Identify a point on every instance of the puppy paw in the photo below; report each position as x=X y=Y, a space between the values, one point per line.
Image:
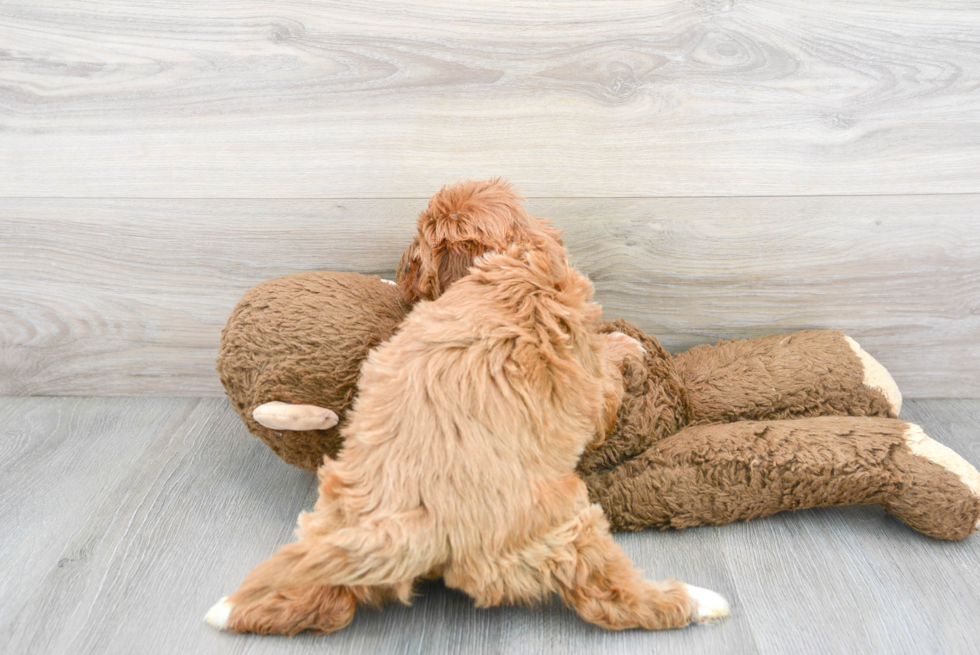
x=277 y=415
x=217 y=616
x=320 y=610
x=620 y=346
x=708 y=606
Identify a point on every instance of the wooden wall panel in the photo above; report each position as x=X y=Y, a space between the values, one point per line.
x=129 y=296
x=381 y=99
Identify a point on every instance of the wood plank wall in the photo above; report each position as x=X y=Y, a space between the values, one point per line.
x=721 y=168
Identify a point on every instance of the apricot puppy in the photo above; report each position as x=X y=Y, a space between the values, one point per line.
x=460 y=455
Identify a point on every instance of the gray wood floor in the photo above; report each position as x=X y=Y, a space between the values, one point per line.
x=123 y=519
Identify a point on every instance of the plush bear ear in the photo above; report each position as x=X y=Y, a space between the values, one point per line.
x=462 y=222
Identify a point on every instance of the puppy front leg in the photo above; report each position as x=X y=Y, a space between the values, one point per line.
x=590 y=572
x=617 y=347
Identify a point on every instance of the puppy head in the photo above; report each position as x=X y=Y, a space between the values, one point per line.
x=462 y=222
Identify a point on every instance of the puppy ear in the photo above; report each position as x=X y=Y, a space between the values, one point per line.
x=409 y=257
x=456 y=261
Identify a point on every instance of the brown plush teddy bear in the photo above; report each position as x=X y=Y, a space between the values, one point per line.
x=738 y=430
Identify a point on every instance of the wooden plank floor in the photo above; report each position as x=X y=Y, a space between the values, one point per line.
x=123 y=519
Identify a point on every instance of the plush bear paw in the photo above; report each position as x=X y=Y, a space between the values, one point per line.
x=937 y=492
x=877 y=377
x=923 y=446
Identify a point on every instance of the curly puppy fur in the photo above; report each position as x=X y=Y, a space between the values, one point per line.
x=461 y=448
x=462 y=222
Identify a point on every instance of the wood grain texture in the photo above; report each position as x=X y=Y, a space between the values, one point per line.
x=124 y=519
x=603 y=98
x=128 y=522
x=128 y=297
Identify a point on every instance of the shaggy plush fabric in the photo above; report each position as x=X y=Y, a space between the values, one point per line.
x=715 y=474
x=302 y=339
x=815 y=372
x=777 y=376
x=654 y=403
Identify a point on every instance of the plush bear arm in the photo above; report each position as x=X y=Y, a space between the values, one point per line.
x=778 y=376
x=715 y=474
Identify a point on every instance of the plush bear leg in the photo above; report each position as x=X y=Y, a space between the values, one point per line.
x=779 y=376
x=715 y=474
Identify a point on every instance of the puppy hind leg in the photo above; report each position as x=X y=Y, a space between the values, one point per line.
x=283 y=589
x=594 y=577
x=605 y=588
x=319 y=609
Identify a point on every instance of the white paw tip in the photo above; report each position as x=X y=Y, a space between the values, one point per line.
x=278 y=415
x=389 y=281
x=623 y=335
x=217 y=616
x=709 y=605
x=877 y=376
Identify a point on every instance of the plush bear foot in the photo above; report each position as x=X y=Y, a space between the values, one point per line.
x=937 y=492
x=877 y=377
